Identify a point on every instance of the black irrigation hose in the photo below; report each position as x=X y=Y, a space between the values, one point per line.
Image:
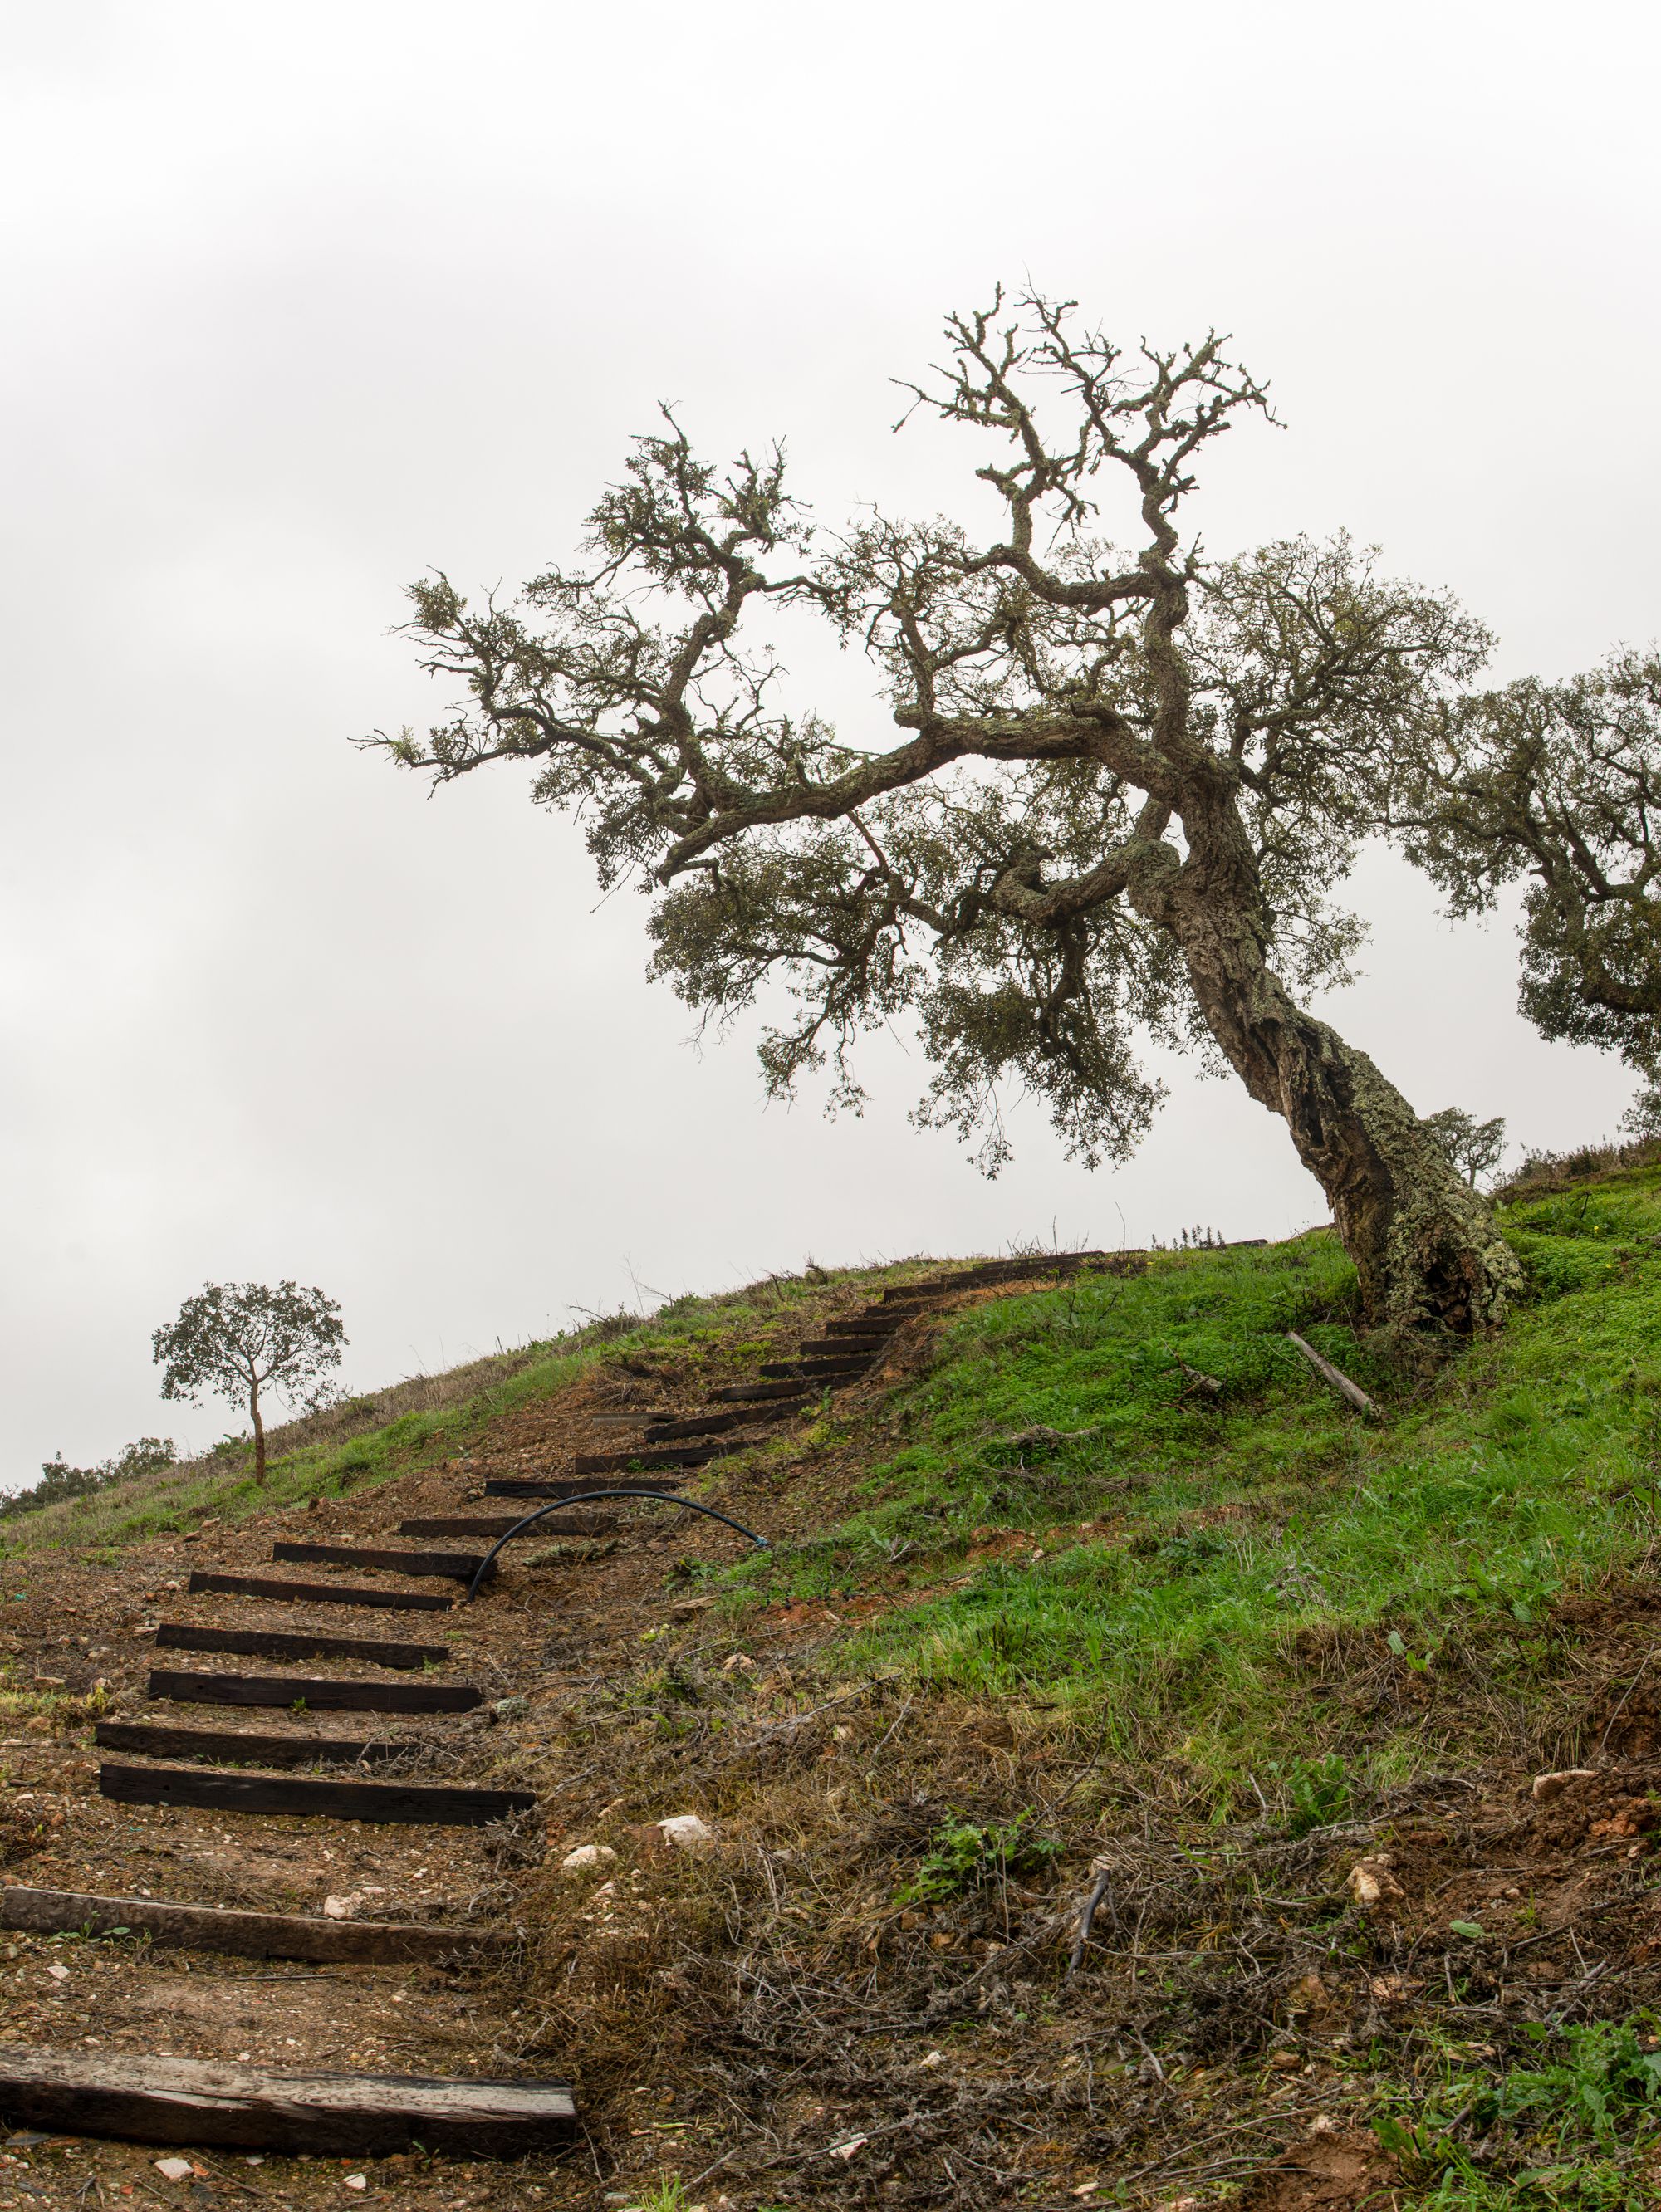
x=587 y=1497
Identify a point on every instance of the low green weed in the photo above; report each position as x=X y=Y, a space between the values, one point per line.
x=666 y=2195
x=1317 y=1791
x=1580 y=2129
x=962 y=1857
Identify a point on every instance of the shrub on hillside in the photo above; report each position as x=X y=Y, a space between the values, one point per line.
x=59 y=1481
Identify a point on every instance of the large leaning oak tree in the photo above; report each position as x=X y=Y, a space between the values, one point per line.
x=1107 y=791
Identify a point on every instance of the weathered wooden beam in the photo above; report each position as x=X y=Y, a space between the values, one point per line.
x=720 y=1420
x=303 y=1797
x=755 y=1393
x=300 y=1643
x=249 y=1935
x=279 y=1587
x=812 y=1370
x=322 y=1693
x=229 y=1747
x=648 y=1457
x=563 y=1486
x=212 y=2102
x=454 y=1566
x=490 y=1526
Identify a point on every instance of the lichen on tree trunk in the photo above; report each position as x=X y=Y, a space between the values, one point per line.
x=1425 y=1245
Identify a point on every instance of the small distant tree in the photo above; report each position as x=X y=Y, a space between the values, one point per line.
x=1475 y=1147
x=238 y=1339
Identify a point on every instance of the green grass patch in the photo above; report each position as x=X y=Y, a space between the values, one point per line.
x=1579 y=2128
x=1228 y=1530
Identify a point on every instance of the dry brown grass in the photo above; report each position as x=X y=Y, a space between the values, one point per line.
x=1543 y=1173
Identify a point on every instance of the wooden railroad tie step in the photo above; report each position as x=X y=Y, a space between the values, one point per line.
x=494 y=1525
x=717 y=1420
x=844 y=1347
x=276 y=1586
x=250 y=1935
x=454 y=1566
x=282 y=1644
x=647 y=1459
x=759 y=1393
x=811 y=1371
x=880 y=1325
x=324 y=1692
x=161 y=1740
x=212 y=2102
x=560 y=1487
x=304 y=1796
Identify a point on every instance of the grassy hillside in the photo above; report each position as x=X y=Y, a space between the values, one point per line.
x=1095 y=1593
x=1196 y=1550
x=365 y=1441
x=1059 y=1607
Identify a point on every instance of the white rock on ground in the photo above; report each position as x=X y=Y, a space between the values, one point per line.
x=686 y=1832
x=586 y=1855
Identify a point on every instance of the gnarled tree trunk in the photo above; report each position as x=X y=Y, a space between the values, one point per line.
x=1425 y=1243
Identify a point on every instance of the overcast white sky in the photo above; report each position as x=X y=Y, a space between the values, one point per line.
x=300 y=301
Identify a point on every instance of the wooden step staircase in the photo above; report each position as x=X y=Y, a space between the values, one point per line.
x=294 y=1772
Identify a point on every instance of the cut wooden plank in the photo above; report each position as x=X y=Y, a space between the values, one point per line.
x=562 y=1486
x=249 y=1935
x=718 y=1421
x=437 y=1805
x=832 y=1370
x=229 y=1746
x=844 y=1347
x=212 y=2102
x=284 y=1644
x=757 y=1393
x=321 y=1692
x=873 y=1324
x=454 y=1566
x=277 y=1586
x=618 y=1463
x=489 y=1527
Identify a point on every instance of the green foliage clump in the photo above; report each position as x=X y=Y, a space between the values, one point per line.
x=1577 y=2130
x=60 y=1481
x=962 y=1857
x=1317 y=1791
